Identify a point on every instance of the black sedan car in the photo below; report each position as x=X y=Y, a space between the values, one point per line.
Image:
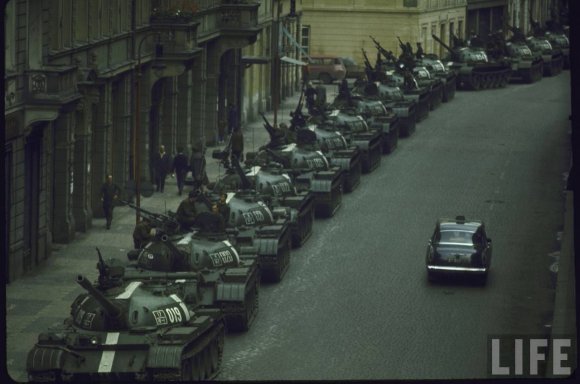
x=459 y=246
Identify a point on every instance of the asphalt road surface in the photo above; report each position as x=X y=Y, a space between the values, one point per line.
x=356 y=304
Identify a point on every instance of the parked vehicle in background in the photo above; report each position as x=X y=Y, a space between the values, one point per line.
x=326 y=69
x=353 y=70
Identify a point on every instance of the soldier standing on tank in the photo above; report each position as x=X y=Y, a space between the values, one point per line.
x=109 y=194
x=310 y=94
x=419 y=54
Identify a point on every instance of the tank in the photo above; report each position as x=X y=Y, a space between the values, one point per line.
x=553 y=57
x=436 y=69
x=217 y=273
x=474 y=70
x=526 y=66
x=256 y=225
x=357 y=133
x=141 y=331
x=540 y=44
x=331 y=143
x=391 y=96
x=376 y=115
x=309 y=169
x=560 y=41
x=277 y=190
x=399 y=73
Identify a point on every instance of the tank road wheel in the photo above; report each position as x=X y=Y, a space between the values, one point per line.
x=505 y=79
x=475 y=83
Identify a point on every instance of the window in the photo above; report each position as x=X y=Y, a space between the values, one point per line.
x=460 y=29
x=305 y=41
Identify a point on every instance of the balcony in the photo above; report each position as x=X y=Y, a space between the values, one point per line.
x=51 y=86
x=214 y=17
x=176 y=31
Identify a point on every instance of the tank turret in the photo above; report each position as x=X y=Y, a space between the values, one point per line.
x=474 y=69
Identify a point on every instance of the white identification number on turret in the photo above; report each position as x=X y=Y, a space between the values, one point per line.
x=221 y=258
x=253 y=217
x=166 y=316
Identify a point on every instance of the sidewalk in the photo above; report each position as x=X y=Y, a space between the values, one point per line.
x=43 y=298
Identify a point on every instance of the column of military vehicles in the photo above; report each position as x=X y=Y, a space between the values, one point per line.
x=162 y=314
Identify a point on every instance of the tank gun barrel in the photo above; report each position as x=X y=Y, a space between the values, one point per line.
x=442 y=43
x=164 y=222
x=112 y=310
x=368 y=65
x=387 y=54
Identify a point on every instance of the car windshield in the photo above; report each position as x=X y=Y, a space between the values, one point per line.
x=456 y=237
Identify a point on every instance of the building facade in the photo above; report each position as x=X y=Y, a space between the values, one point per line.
x=343 y=27
x=488 y=16
x=93 y=87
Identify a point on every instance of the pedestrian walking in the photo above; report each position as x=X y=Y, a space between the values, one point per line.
x=162 y=165
x=180 y=168
x=237 y=144
x=143 y=233
x=109 y=194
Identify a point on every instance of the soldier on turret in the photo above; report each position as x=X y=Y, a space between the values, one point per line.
x=419 y=54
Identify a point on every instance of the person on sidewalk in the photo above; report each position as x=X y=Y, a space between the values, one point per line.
x=143 y=233
x=162 y=165
x=237 y=144
x=180 y=168
x=109 y=194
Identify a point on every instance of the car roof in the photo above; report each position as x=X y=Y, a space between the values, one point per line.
x=459 y=223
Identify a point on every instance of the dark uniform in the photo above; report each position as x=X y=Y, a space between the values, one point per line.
x=162 y=164
x=109 y=193
x=180 y=167
x=142 y=233
x=186 y=211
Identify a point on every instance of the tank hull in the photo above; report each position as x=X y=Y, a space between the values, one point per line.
x=191 y=352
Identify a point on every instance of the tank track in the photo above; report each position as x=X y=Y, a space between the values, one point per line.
x=240 y=316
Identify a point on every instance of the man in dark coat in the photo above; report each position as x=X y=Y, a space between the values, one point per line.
x=180 y=168
x=162 y=164
x=109 y=194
